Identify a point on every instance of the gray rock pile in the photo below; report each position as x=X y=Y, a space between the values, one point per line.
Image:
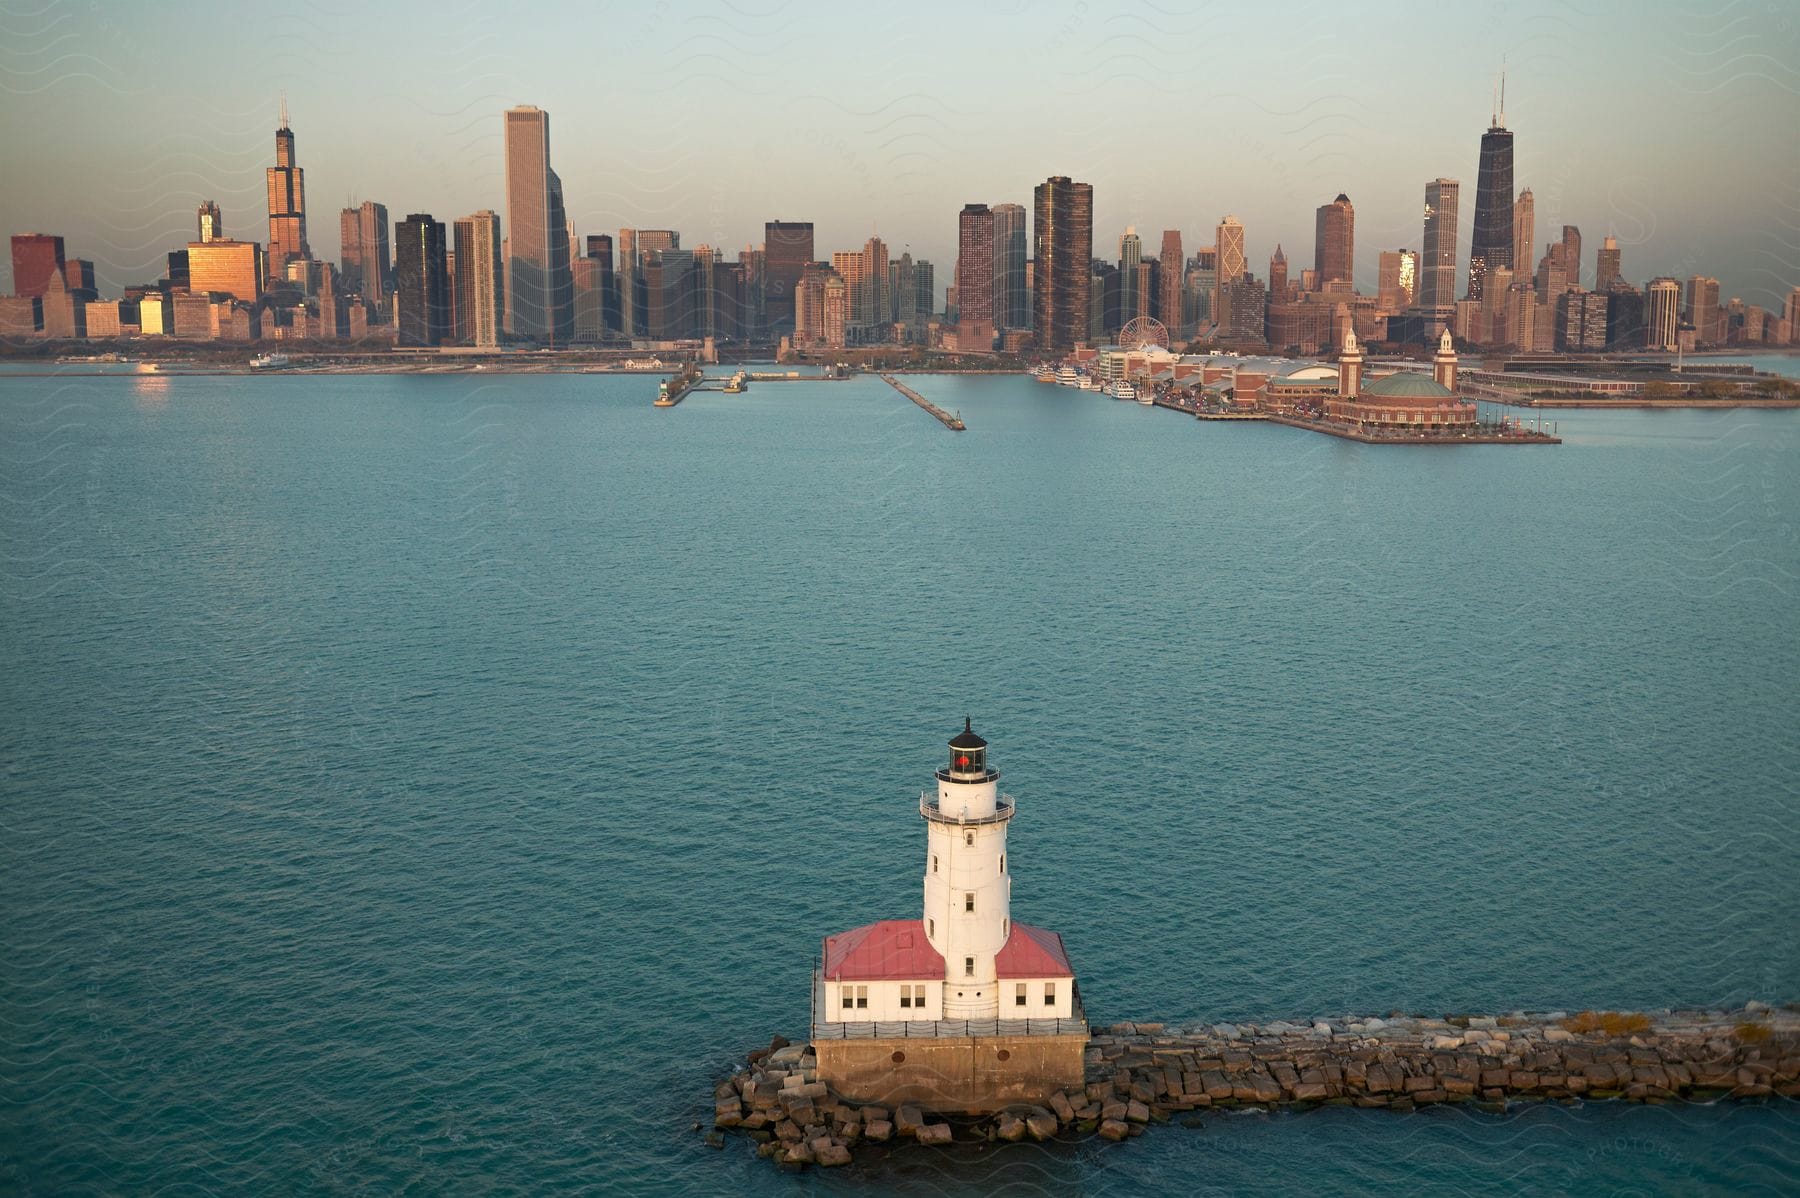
x=1144 y=1073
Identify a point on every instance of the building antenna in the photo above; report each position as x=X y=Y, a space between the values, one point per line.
x=284 y=116
x=1503 y=91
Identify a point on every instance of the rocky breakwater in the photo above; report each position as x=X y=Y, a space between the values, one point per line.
x=1144 y=1073
x=1403 y=1062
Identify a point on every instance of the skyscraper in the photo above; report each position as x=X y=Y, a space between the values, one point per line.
x=539 y=300
x=366 y=260
x=1228 y=243
x=1131 y=252
x=1278 y=275
x=787 y=248
x=479 y=275
x=1524 y=233
x=1606 y=263
x=35 y=258
x=1491 y=247
x=287 y=203
x=975 y=279
x=1062 y=246
x=1437 y=261
x=1703 y=308
x=1334 y=242
x=1172 y=261
x=421 y=283
x=207 y=222
x=1398 y=282
x=1662 y=306
x=1012 y=301
x=1571 y=256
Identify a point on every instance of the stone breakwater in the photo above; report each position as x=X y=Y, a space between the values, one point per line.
x=1144 y=1073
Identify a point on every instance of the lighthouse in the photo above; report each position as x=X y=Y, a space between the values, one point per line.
x=962 y=1007
x=968 y=895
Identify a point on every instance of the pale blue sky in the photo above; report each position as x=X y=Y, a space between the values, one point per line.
x=1669 y=125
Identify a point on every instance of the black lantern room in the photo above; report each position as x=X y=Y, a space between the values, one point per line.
x=968 y=755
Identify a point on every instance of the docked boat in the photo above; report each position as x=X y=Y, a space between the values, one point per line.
x=1068 y=376
x=739 y=382
x=268 y=361
x=1147 y=397
x=1045 y=373
x=1122 y=390
x=1089 y=383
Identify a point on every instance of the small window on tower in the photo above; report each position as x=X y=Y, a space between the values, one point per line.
x=1002 y=862
x=934 y=863
x=968 y=900
x=931 y=927
x=969 y=967
x=969 y=839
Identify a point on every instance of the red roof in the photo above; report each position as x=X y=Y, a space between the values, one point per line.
x=890 y=950
x=1032 y=953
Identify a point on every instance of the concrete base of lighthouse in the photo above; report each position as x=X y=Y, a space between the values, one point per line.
x=973 y=1075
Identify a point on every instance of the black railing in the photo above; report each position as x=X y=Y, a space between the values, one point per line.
x=928 y=807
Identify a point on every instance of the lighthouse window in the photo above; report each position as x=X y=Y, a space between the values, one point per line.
x=1049 y=994
x=1019 y=995
x=969 y=967
x=934 y=863
x=906 y=996
x=862 y=996
x=849 y=993
x=1002 y=862
x=969 y=839
x=968 y=900
x=931 y=927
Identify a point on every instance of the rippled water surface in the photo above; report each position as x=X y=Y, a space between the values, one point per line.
x=435 y=781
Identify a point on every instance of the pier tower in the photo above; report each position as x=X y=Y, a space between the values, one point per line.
x=968 y=893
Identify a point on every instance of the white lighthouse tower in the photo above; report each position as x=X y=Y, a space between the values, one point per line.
x=968 y=893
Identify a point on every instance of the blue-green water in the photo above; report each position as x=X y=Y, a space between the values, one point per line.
x=435 y=782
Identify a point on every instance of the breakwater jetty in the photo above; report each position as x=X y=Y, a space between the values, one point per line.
x=1140 y=1074
x=953 y=423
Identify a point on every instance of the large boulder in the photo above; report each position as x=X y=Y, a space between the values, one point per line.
x=1064 y=1110
x=1113 y=1129
x=831 y=1155
x=908 y=1120
x=933 y=1133
x=1042 y=1124
x=1010 y=1128
x=878 y=1131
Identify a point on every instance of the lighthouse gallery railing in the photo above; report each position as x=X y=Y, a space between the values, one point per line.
x=925 y=1029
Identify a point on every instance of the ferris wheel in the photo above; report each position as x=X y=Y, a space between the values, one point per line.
x=1143 y=332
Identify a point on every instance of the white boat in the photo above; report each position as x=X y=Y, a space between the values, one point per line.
x=1122 y=390
x=268 y=361
x=1068 y=376
x=1090 y=384
x=1044 y=374
x=1147 y=397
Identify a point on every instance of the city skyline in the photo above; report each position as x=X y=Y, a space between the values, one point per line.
x=885 y=157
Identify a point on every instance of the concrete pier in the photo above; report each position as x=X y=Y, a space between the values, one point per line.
x=953 y=423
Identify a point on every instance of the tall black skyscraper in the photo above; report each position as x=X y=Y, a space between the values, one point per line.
x=422 y=280
x=1491 y=247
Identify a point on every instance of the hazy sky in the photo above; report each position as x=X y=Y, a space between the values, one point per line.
x=1671 y=126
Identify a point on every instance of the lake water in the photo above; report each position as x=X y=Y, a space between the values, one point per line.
x=437 y=782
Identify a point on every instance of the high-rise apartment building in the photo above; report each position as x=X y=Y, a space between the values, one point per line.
x=1491 y=246
x=538 y=287
x=480 y=275
x=1012 y=300
x=1571 y=255
x=1524 y=233
x=208 y=224
x=1334 y=242
x=1703 y=309
x=287 y=203
x=1131 y=252
x=1062 y=242
x=1397 y=282
x=1437 y=260
x=1662 y=309
x=975 y=279
x=865 y=275
x=1170 y=264
x=366 y=261
x=421 y=281
x=1606 y=261
x=36 y=257
x=787 y=250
